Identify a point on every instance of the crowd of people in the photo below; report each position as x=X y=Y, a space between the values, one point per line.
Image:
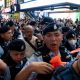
x=39 y=50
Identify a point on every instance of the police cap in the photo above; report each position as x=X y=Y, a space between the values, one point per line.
x=50 y=28
x=70 y=34
x=17 y=45
x=65 y=29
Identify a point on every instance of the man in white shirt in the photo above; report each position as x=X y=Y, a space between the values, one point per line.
x=29 y=30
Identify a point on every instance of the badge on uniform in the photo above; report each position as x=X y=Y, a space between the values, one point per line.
x=55 y=27
x=22 y=47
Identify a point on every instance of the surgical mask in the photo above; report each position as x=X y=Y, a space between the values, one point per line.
x=72 y=42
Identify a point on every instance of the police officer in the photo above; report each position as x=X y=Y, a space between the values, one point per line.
x=5 y=37
x=52 y=38
x=15 y=57
x=15 y=31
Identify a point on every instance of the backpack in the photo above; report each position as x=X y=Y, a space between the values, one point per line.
x=65 y=73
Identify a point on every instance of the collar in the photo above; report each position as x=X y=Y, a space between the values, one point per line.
x=53 y=54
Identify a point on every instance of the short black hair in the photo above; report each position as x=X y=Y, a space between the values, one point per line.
x=65 y=29
x=4 y=29
x=10 y=23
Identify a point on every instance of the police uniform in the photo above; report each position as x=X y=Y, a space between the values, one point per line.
x=15 y=45
x=43 y=54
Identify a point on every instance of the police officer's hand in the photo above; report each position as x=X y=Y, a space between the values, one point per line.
x=3 y=66
x=42 y=67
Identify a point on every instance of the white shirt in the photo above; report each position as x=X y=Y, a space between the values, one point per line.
x=29 y=50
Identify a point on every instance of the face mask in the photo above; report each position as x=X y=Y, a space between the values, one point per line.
x=72 y=42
